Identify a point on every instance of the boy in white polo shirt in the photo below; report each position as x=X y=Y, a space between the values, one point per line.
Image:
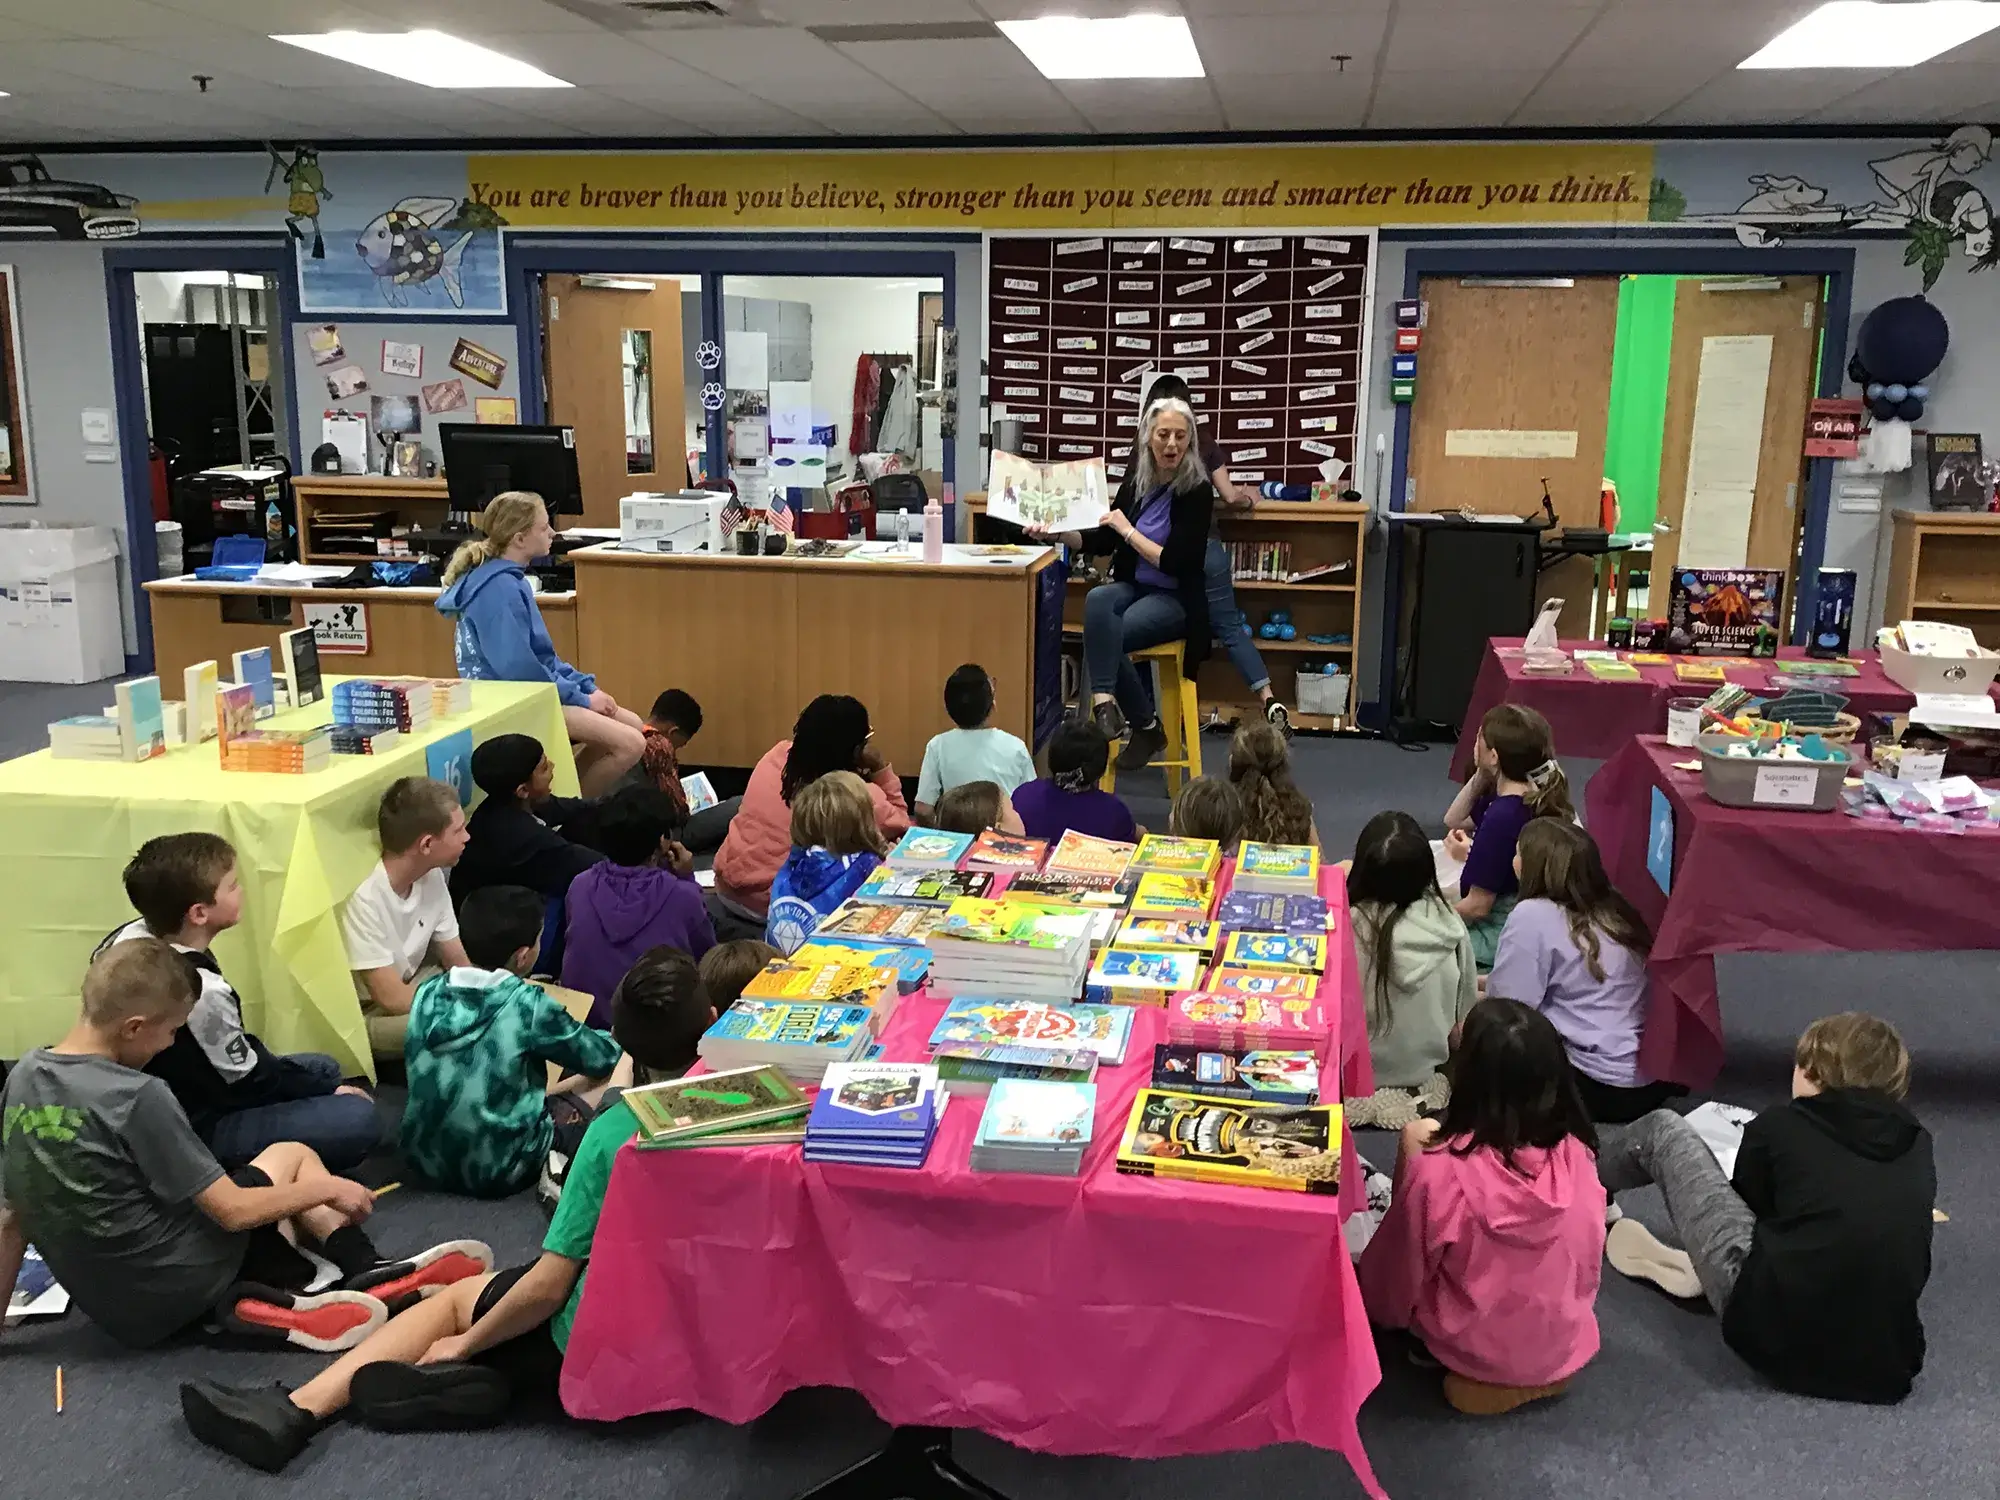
x=398 y=924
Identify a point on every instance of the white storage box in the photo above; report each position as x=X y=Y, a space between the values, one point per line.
x=688 y=522
x=60 y=619
x=1940 y=674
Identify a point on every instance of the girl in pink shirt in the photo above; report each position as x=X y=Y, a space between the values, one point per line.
x=1491 y=1251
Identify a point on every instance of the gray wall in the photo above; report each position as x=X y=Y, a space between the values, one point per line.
x=66 y=351
x=361 y=344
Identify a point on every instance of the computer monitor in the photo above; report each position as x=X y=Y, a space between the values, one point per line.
x=483 y=460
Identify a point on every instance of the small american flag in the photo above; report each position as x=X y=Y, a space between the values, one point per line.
x=778 y=510
x=733 y=515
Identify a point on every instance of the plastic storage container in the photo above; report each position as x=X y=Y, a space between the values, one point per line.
x=59 y=600
x=1322 y=692
x=1797 y=785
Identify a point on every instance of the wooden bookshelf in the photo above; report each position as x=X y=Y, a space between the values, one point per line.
x=319 y=497
x=1945 y=565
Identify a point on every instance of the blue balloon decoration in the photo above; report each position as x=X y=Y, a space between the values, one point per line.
x=1873 y=390
x=1896 y=393
x=1903 y=339
x=1911 y=409
x=1921 y=392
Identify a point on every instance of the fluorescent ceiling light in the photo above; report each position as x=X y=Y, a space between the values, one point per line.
x=1121 y=47
x=428 y=57
x=1870 y=34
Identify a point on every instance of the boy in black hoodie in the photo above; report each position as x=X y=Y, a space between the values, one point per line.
x=1815 y=1252
x=519 y=834
x=239 y=1095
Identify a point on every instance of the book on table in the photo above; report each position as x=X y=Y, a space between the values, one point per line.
x=882 y=922
x=253 y=670
x=1300 y=952
x=968 y=1068
x=981 y=1021
x=1241 y=1022
x=992 y=850
x=923 y=887
x=1135 y=976
x=1163 y=854
x=1177 y=934
x=1196 y=1138
x=1263 y=1075
x=1080 y=854
x=912 y=965
x=142 y=719
x=929 y=849
x=1038 y=1127
x=1277 y=869
x=825 y=974
x=800 y=1037
x=712 y=1102
x=1161 y=894
x=300 y=649
x=1010 y=948
x=199 y=685
x=1254 y=911
x=1053 y=888
x=87 y=737
x=875 y=1113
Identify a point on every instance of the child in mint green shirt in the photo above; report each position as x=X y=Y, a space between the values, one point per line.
x=972 y=751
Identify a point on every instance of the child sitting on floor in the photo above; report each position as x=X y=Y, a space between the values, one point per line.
x=975 y=806
x=399 y=926
x=1489 y=1253
x=643 y=896
x=1418 y=979
x=1069 y=796
x=1275 y=811
x=1815 y=1251
x=974 y=751
x=835 y=846
x=1208 y=808
x=1516 y=777
x=480 y=1118
x=100 y=1169
x=514 y=837
x=461 y=1358
x=239 y=1095
x=1575 y=950
x=676 y=719
x=728 y=967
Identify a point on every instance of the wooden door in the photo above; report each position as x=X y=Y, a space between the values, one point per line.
x=1788 y=314
x=619 y=450
x=1527 y=369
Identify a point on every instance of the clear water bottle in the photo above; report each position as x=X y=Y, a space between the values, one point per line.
x=902 y=531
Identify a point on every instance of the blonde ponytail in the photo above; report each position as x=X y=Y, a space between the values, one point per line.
x=506 y=516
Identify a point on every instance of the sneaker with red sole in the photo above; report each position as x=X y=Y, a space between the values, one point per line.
x=402 y=1282
x=324 y=1322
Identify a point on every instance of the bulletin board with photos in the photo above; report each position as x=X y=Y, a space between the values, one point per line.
x=1269 y=331
x=13 y=397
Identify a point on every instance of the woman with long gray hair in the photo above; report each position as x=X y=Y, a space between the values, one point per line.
x=1157 y=535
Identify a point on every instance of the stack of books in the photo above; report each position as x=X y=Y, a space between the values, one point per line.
x=1035 y=1127
x=363 y=704
x=923 y=887
x=829 y=976
x=292 y=751
x=448 y=695
x=1052 y=888
x=1136 y=976
x=912 y=965
x=86 y=737
x=1173 y=896
x=930 y=849
x=348 y=739
x=875 y=1114
x=881 y=922
x=970 y=1069
x=1010 y=948
x=1005 y=851
x=1266 y=1077
x=1162 y=854
x=1277 y=869
x=1286 y=952
x=1175 y=934
x=1248 y=1023
x=737 y=1107
x=973 y=1021
x=802 y=1038
x=1080 y=854
x=1247 y=911
x=1193 y=1138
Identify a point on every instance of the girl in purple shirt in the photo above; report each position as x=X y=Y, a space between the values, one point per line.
x=1069 y=797
x=1516 y=778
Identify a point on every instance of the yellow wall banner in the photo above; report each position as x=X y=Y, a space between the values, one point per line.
x=1192 y=187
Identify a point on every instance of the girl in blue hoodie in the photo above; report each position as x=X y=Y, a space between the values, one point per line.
x=835 y=846
x=499 y=636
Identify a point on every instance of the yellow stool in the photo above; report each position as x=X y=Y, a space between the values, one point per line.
x=1180 y=718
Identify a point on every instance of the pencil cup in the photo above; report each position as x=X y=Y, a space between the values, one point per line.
x=1683 y=720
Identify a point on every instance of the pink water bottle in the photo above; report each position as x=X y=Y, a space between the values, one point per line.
x=934 y=529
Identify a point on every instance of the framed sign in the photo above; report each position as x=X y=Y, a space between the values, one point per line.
x=14 y=485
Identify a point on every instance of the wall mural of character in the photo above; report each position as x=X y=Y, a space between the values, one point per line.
x=305 y=188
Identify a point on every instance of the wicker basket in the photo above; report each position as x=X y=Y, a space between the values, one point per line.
x=1845 y=727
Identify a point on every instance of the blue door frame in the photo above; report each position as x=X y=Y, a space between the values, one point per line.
x=1560 y=258
x=530 y=257
x=271 y=258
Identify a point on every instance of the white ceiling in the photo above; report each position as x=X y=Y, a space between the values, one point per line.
x=121 y=70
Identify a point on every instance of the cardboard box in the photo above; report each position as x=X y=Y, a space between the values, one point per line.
x=60 y=616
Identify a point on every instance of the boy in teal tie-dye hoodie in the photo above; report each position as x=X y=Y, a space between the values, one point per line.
x=479 y=1120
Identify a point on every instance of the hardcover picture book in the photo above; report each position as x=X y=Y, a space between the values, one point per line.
x=1173 y=895
x=1080 y=854
x=975 y=1021
x=926 y=887
x=700 y=790
x=1160 y=853
x=1061 y=496
x=1173 y=933
x=971 y=1069
x=253 y=670
x=929 y=849
x=1131 y=976
x=1268 y=1077
x=1257 y=911
x=1035 y=1127
x=875 y=1114
x=1304 y=952
x=1005 y=851
x=1197 y=1139
x=1262 y=984
x=1242 y=1022
x=1280 y=869
x=301 y=654
x=714 y=1102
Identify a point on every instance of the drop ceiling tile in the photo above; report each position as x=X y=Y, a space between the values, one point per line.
x=999 y=119
x=98 y=18
x=1762 y=96
x=268 y=16
x=716 y=107
x=1687 y=36
x=585 y=58
x=1263 y=46
x=930 y=69
x=1448 y=99
x=870 y=12
x=477 y=19
x=1235 y=8
x=598 y=112
x=750 y=56
x=102 y=63
x=1582 y=97
x=254 y=57
x=1295 y=101
x=1938 y=90
x=1428 y=36
x=1145 y=104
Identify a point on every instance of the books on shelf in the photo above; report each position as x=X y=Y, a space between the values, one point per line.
x=1080 y=854
x=1277 y=869
x=1299 y=952
x=875 y=1113
x=929 y=849
x=713 y=1104
x=1178 y=934
x=799 y=1037
x=1163 y=854
x=881 y=922
x=199 y=685
x=1050 y=888
x=929 y=887
x=300 y=652
x=142 y=722
x=970 y=1068
x=1132 y=976
x=981 y=1021
x=1173 y=895
x=1260 y=562
x=1038 y=1127
x=253 y=670
x=1268 y=1077
x=1010 y=948
x=1193 y=1138
x=1206 y=1018
x=993 y=850
x=1253 y=911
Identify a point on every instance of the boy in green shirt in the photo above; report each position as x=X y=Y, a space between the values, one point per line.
x=460 y=1358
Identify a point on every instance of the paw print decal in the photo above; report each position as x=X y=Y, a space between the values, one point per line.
x=708 y=354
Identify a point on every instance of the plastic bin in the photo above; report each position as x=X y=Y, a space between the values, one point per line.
x=60 y=619
x=1940 y=674
x=1734 y=781
x=1322 y=692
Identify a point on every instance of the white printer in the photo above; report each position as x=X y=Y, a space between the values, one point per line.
x=685 y=521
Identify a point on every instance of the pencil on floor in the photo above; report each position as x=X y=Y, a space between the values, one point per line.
x=59 y=1390
x=386 y=1189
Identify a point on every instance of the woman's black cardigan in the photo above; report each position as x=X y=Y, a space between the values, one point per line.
x=1183 y=557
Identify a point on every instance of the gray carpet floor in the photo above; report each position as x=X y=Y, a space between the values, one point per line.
x=1665 y=1411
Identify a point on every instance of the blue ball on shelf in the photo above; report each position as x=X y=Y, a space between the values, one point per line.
x=1287 y=632
x=1268 y=630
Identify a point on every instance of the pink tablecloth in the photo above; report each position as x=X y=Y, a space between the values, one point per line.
x=1102 y=1314
x=1762 y=880
x=1594 y=718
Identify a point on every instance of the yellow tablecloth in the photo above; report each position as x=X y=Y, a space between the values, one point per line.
x=303 y=843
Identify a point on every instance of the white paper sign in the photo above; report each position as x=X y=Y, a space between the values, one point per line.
x=1785 y=786
x=791 y=410
x=748 y=365
x=341 y=629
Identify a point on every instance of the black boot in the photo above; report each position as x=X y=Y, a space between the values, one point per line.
x=1110 y=720
x=256 y=1423
x=1146 y=743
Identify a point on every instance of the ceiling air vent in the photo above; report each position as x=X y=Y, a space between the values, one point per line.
x=716 y=8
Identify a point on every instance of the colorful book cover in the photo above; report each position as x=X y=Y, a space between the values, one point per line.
x=1049 y=888
x=253 y=670
x=933 y=887
x=235 y=714
x=700 y=790
x=199 y=685
x=1807 y=667
x=976 y=1021
x=1304 y=952
x=1218 y=1018
x=930 y=848
x=142 y=720
x=1650 y=659
x=824 y=977
x=992 y=850
x=1016 y=923
x=1698 y=671
x=974 y=1065
x=882 y=922
x=1176 y=933
x=301 y=653
x=1613 y=671
x=781 y=1023
x=1197 y=1139
x=912 y=965
x=1172 y=895
x=1288 y=864
x=1267 y=1076
x=875 y=1104
x=1080 y=854
x=1269 y=911
x=1163 y=854
x=1038 y=1116
x=1265 y=984
x=1128 y=976
x=710 y=1102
